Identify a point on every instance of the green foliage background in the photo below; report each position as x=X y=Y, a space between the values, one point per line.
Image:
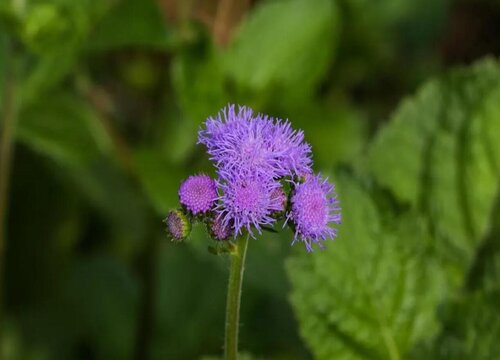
x=401 y=102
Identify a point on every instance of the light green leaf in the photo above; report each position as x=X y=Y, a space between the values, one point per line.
x=397 y=156
x=284 y=46
x=437 y=155
x=372 y=293
x=491 y=128
x=56 y=33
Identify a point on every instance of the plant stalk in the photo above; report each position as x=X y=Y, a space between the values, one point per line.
x=234 y=298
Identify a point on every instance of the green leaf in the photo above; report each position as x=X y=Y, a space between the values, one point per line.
x=437 y=155
x=335 y=130
x=64 y=128
x=199 y=89
x=48 y=72
x=103 y=297
x=181 y=318
x=373 y=292
x=284 y=46
x=131 y=23
x=410 y=129
x=159 y=179
x=471 y=329
x=55 y=33
x=117 y=199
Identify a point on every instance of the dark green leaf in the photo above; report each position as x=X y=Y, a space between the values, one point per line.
x=159 y=178
x=471 y=330
x=199 y=88
x=103 y=298
x=65 y=129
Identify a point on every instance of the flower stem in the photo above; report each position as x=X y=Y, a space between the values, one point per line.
x=234 y=298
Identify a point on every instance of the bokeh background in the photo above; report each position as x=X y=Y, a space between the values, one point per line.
x=100 y=105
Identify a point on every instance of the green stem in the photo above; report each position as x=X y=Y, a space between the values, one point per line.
x=234 y=298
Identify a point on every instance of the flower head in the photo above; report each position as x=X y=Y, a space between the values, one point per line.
x=244 y=142
x=178 y=225
x=290 y=148
x=246 y=202
x=314 y=208
x=198 y=193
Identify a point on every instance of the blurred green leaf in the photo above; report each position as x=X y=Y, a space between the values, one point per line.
x=48 y=71
x=471 y=329
x=132 y=23
x=188 y=304
x=284 y=46
x=372 y=293
x=435 y=155
x=56 y=32
x=114 y=196
x=387 y=38
x=199 y=89
x=14 y=347
x=64 y=128
x=334 y=129
x=159 y=179
x=103 y=298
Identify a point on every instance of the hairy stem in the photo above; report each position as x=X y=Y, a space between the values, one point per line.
x=234 y=298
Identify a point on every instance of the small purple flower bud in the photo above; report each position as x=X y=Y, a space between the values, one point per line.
x=218 y=230
x=314 y=208
x=198 y=194
x=281 y=198
x=178 y=225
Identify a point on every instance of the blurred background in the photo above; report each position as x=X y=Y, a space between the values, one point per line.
x=100 y=106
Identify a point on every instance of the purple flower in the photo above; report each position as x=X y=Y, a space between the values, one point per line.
x=314 y=209
x=198 y=193
x=290 y=148
x=178 y=225
x=246 y=202
x=244 y=142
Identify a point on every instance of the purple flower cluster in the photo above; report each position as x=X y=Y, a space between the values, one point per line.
x=264 y=173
